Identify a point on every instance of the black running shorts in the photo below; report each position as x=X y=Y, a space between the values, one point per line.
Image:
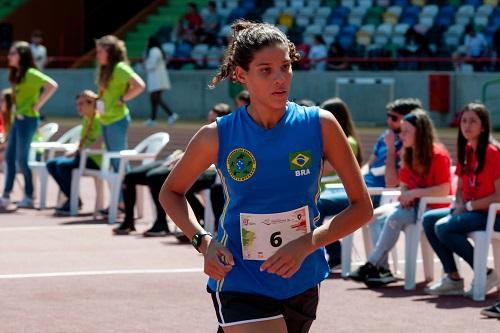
x=234 y=308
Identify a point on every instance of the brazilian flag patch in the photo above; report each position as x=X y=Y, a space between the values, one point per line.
x=300 y=160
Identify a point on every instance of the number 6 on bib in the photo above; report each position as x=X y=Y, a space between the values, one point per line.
x=263 y=234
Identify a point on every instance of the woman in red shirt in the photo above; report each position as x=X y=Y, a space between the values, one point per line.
x=478 y=186
x=425 y=172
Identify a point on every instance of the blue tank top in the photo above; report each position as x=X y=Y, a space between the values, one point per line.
x=263 y=172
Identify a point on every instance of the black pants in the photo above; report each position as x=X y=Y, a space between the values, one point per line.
x=156 y=100
x=154 y=175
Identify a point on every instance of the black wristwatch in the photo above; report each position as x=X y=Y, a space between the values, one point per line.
x=197 y=238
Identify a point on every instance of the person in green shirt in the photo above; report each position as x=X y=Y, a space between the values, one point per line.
x=60 y=168
x=30 y=91
x=118 y=84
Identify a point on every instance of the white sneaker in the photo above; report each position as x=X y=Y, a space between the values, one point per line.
x=150 y=123
x=492 y=280
x=446 y=286
x=26 y=203
x=172 y=119
x=4 y=202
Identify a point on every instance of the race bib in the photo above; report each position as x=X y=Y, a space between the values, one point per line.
x=263 y=234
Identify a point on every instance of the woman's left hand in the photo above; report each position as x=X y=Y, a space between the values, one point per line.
x=287 y=260
x=406 y=199
x=36 y=107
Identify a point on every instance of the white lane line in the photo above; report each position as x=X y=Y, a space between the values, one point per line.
x=95 y=273
x=57 y=227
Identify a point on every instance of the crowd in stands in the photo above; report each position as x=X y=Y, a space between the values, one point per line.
x=349 y=34
x=408 y=152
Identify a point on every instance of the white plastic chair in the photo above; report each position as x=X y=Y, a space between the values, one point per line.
x=146 y=151
x=482 y=240
x=68 y=142
x=388 y=195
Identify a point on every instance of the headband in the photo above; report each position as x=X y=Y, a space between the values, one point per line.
x=411 y=118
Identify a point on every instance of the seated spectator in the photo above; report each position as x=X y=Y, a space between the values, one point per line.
x=153 y=175
x=336 y=58
x=60 y=168
x=478 y=186
x=318 y=54
x=190 y=24
x=341 y=112
x=211 y=23
x=381 y=168
x=425 y=172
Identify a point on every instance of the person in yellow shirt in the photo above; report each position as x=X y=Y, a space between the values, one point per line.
x=31 y=89
x=118 y=84
x=60 y=168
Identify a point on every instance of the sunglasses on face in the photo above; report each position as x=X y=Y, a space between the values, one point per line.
x=393 y=117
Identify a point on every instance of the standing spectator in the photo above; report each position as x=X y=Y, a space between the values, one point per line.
x=60 y=168
x=118 y=84
x=425 y=172
x=318 y=54
x=31 y=90
x=158 y=81
x=190 y=24
x=38 y=50
x=478 y=186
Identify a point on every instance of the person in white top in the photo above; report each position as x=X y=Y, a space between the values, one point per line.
x=38 y=50
x=318 y=54
x=157 y=81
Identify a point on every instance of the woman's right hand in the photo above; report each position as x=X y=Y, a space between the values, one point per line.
x=218 y=260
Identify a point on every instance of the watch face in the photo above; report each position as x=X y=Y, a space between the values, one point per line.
x=195 y=240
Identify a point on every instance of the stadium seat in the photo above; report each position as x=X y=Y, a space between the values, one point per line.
x=199 y=54
x=356 y=15
x=214 y=56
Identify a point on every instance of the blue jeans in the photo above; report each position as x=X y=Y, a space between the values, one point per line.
x=447 y=234
x=115 y=138
x=18 y=148
x=394 y=223
x=60 y=169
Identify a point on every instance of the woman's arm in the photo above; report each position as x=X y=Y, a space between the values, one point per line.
x=408 y=197
x=201 y=152
x=135 y=87
x=49 y=88
x=287 y=260
x=485 y=202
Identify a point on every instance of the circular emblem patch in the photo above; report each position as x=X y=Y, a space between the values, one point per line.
x=241 y=164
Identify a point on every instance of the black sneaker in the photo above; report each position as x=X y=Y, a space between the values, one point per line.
x=361 y=273
x=125 y=228
x=492 y=311
x=155 y=232
x=382 y=277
